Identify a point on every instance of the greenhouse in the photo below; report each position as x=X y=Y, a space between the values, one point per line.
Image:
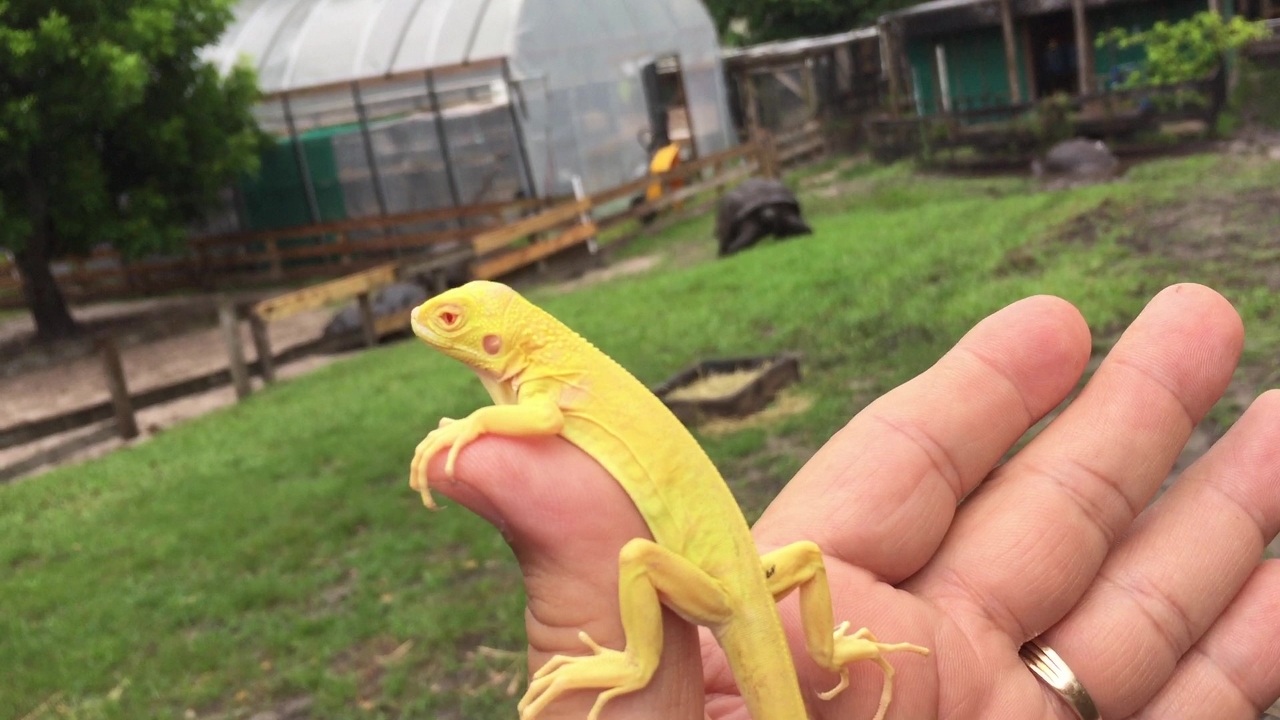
x=385 y=107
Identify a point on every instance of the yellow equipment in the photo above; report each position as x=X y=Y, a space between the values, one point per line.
x=665 y=159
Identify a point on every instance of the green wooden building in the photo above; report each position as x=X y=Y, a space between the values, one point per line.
x=964 y=55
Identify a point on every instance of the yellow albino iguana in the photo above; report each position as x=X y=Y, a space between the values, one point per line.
x=546 y=380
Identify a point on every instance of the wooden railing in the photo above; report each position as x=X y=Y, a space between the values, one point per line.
x=343 y=247
x=328 y=249
x=270 y=257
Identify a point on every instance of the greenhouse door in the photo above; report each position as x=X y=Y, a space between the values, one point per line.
x=664 y=92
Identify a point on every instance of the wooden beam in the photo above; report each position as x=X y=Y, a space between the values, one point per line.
x=889 y=54
x=1084 y=48
x=229 y=319
x=262 y=345
x=503 y=236
x=518 y=258
x=1033 y=90
x=753 y=104
x=113 y=370
x=368 y=325
x=284 y=306
x=1010 y=51
x=494 y=209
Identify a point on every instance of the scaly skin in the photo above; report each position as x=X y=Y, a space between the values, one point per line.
x=546 y=380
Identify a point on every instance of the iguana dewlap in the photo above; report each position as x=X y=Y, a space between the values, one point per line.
x=546 y=380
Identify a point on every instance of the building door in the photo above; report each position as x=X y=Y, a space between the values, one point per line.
x=665 y=97
x=1053 y=54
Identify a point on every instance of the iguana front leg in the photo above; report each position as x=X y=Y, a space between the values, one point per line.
x=800 y=566
x=534 y=417
x=645 y=569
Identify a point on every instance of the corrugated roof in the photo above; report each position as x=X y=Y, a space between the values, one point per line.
x=304 y=43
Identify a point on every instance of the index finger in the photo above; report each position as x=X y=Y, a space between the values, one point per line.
x=882 y=493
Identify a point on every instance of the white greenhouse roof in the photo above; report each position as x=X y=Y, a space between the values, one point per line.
x=781 y=48
x=304 y=43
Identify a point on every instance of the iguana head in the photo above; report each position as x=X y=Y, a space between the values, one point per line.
x=469 y=324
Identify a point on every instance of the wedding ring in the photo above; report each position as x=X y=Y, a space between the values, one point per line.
x=1049 y=667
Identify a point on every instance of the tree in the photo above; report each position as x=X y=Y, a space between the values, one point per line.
x=112 y=130
x=783 y=19
x=1186 y=50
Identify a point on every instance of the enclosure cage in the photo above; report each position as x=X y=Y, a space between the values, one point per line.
x=388 y=107
x=781 y=86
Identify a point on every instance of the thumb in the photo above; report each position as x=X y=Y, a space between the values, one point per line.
x=566 y=519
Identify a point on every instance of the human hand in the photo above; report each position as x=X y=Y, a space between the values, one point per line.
x=1161 y=612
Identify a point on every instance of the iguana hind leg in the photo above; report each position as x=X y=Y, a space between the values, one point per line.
x=800 y=566
x=645 y=569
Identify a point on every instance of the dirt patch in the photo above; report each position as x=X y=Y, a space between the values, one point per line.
x=100 y=439
x=130 y=322
x=1233 y=234
x=161 y=341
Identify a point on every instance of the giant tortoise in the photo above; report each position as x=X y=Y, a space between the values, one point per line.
x=756 y=209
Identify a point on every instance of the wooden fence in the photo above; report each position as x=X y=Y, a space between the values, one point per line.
x=487 y=250
x=341 y=247
x=270 y=257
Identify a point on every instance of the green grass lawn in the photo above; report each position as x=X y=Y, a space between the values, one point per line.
x=273 y=550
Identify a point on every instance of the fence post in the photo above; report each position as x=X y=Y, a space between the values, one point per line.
x=273 y=256
x=262 y=345
x=113 y=369
x=230 y=323
x=767 y=154
x=366 y=320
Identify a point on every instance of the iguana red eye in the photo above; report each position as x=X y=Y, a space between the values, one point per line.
x=448 y=318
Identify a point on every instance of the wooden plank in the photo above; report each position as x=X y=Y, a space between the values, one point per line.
x=316 y=296
x=122 y=405
x=496 y=209
x=262 y=345
x=799 y=149
x=383 y=245
x=739 y=173
x=662 y=223
x=518 y=258
x=1010 y=51
x=229 y=320
x=417 y=267
x=368 y=327
x=683 y=171
x=394 y=323
x=546 y=220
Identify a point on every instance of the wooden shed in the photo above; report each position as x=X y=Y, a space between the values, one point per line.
x=965 y=55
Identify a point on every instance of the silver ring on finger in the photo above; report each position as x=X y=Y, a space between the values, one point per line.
x=1049 y=667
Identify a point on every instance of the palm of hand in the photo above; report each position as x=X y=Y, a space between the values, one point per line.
x=1161 y=611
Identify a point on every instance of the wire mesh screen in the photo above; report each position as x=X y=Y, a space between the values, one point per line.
x=785 y=96
x=390 y=147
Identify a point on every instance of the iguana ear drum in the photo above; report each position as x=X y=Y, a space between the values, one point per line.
x=492 y=344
